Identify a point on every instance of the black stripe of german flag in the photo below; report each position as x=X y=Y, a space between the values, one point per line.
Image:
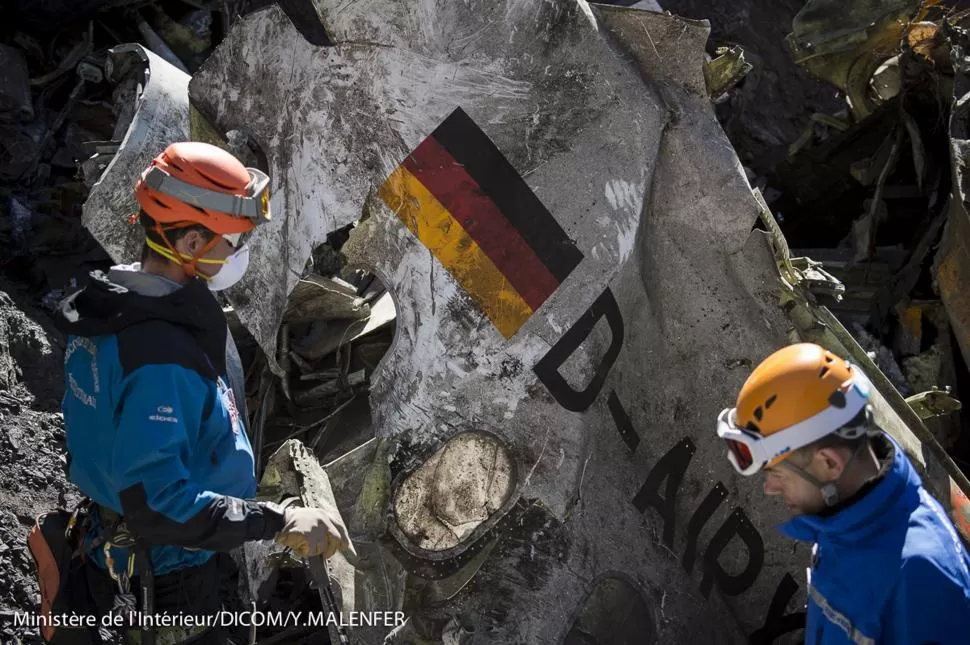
x=463 y=199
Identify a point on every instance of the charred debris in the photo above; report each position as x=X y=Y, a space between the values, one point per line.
x=874 y=193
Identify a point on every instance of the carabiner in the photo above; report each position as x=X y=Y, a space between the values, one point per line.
x=124 y=580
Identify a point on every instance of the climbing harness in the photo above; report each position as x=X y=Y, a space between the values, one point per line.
x=115 y=534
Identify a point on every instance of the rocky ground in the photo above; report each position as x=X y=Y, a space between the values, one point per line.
x=32 y=451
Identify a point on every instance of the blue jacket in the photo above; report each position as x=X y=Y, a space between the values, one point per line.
x=889 y=567
x=153 y=430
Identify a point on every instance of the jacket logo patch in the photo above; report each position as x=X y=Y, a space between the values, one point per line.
x=229 y=402
x=164 y=414
x=88 y=346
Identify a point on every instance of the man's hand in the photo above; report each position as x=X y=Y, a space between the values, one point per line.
x=314 y=531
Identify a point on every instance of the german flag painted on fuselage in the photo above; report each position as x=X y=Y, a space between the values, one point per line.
x=464 y=201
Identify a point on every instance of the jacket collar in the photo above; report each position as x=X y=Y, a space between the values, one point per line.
x=131 y=277
x=125 y=298
x=896 y=492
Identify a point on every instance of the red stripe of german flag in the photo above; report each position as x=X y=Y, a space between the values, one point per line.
x=464 y=201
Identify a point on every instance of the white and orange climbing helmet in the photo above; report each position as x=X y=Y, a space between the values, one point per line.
x=796 y=396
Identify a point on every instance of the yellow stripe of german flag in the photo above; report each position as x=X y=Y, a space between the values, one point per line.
x=448 y=241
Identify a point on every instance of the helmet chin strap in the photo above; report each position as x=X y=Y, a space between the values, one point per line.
x=187 y=262
x=829 y=490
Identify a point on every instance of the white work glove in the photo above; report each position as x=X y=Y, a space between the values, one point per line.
x=314 y=531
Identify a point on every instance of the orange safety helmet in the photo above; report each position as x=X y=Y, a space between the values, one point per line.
x=796 y=396
x=203 y=184
x=194 y=183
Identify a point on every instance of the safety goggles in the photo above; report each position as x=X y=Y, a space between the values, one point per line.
x=749 y=451
x=253 y=205
x=236 y=239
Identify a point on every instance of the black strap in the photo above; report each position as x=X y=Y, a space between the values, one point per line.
x=146 y=579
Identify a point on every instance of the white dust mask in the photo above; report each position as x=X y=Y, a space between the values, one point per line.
x=232 y=271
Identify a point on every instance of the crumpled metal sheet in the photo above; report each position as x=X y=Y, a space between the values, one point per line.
x=603 y=112
x=160 y=118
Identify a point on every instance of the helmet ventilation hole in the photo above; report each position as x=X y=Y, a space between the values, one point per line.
x=771 y=400
x=758 y=413
x=823 y=371
x=837 y=399
x=214 y=180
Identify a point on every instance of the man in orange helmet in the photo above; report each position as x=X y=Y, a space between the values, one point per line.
x=153 y=406
x=888 y=566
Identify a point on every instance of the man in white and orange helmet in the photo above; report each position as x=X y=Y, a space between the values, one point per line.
x=888 y=565
x=153 y=406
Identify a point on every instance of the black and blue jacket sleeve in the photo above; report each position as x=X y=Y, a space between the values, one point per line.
x=162 y=415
